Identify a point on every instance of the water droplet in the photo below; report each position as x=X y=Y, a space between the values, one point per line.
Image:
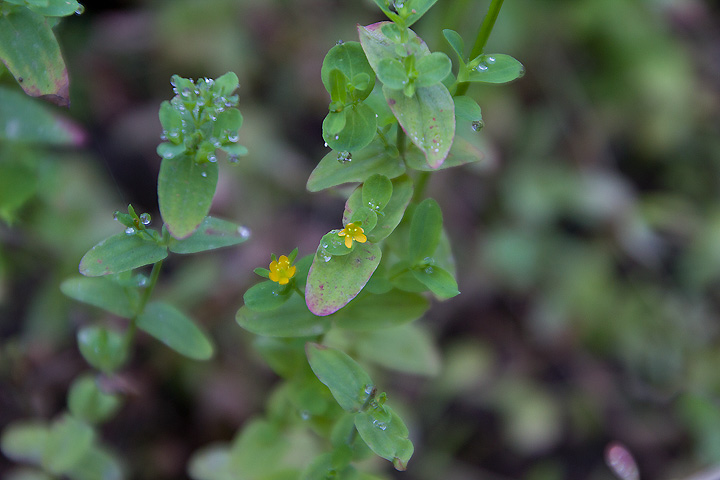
x=344 y=157
x=168 y=154
x=429 y=270
x=326 y=144
x=145 y=219
x=173 y=134
x=339 y=42
x=186 y=93
x=115 y=216
x=429 y=261
x=477 y=125
x=141 y=280
x=481 y=68
x=489 y=60
x=203 y=174
x=244 y=232
x=327 y=258
x=80 y=10
x=130 y=231
x=201 y=101
x=380 y=425
x=233 y=159
x=212 y=158
x=369 y=388
x=305 y=415
x=233 y=138
x=337 y=137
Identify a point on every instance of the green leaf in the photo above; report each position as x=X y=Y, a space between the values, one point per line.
x=410 y=12
x=428 y=119
x=103 y=293
x=462 y=152
x=368 y=312
x=375 y=158
x=366 y=217
x=18 y=184
x=97 y=463
x=28 y=49
x=211 y=234
x=292 y=319
x=226 y=84
x=87 y=402
x=392 y=212
x=495 y=68
x=357 y=131
x=432 y=69
x=377 y=102
x=438 y=280
x=258 y=450
x=185 y=192
x=174 y=329
x=391 y=72
x=348 y=382
x=334 y=123
x=425 y=229
x=266 y=296
x=456 y=42
x=24 y=441
x=23 y=119
x=211 y=462
x=406 y=348
x=378 y=46
x=121 y=253
x=467 y=108
x=334 y=281
x=286 y=356
x=349 y=59
x=388 y=439
x=68 y=441
x=172 y=122
x=27 y=474
x=376 y=192
x=104 y=349
x=229 y=120
x=57 y=8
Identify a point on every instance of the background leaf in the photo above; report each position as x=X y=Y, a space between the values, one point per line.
x=406 y=348
x=104 y=349
x=104 y=293
x=292 y=319
x=368 y=312
x=347 y=381
x=176 y=330
x=23 y=119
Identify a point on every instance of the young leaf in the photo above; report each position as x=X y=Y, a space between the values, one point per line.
x=375 y=158
x=24 y=441
x=226 y=84
x=406 y=348
x=96 y=463
x=185 y=192
x=211 y=234
x=393 y=211
x=357 y=132
x=456 y=42
x=462 y=152
x=347 y=381
x=68 y=441
x=495 y=68
x=291 y=319
x=334 y=281
x=425 y=229
x=428 y=119
x=369 y=312
x=388 y=439
x=366 y=217
x=102 y=293
x=438 y=280
x=121 y=253
x=172 y=122
x=24 y=119
x=467 y=108
x=432 y=69
x=28 y=49
x=87 y=402
x=376 y=192
x=266 y=296
x=391 y=72
x=104 y=349
x=378 y=46
x=349 y=58
x=57 y=8
x=176 y=330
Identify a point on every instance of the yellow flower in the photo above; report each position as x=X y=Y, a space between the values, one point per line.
x=281 y=271
x=353 y=232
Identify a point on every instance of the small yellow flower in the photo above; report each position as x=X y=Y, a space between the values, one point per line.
x=281 y=271
x=353 y=232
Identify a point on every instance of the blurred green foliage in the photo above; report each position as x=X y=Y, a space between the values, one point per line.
x=587 y=240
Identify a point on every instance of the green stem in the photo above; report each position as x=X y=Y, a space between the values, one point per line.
x=400 y=141
x=420 y=185
x=486 y=28
x=154 y=275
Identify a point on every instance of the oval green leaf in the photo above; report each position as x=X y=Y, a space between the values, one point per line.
x=406 y=348
x=174 y=329
x=103 y=293
x=388 y=439
x=87 y=402
x=438 y=280
x=334 y=281
x=456 y=42
x=266 y=296
x=121 y=253
x=369 y=312
x=432 y=69
x=496 y=68
x=211 y=234
x=428 y=119
x=292 y=319
x=348 y=58
x=185 y=192
x=376 y=192
x=346 y=379
x=104 y=349
x=67 y=443
x=357 y=132
x=24 y=441
x=425 y=230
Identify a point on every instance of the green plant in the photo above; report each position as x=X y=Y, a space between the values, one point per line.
x=357 y=294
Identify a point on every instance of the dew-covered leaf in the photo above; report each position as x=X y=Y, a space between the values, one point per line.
x=375 y=158
x=427 y=118
x=335 y=280
x=387 y=438
x=346 y=379
x=291 y=319
x=30 y=52
x=496 y=68
x=57 y=8
x=185 y=192
x=211 y=234
x=378 y=46
x=462 y=152
x=172 y=327
x=376 y=192
x=121 y=253
x=369 y=312
x=102 y=293
x=467 y=108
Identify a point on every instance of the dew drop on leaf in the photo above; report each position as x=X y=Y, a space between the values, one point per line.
x=244 y=232
x=130 y=231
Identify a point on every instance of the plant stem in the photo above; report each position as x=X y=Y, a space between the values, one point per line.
x=154 y=275
x=400 y=141
x=420 y=185
x=486 y=28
